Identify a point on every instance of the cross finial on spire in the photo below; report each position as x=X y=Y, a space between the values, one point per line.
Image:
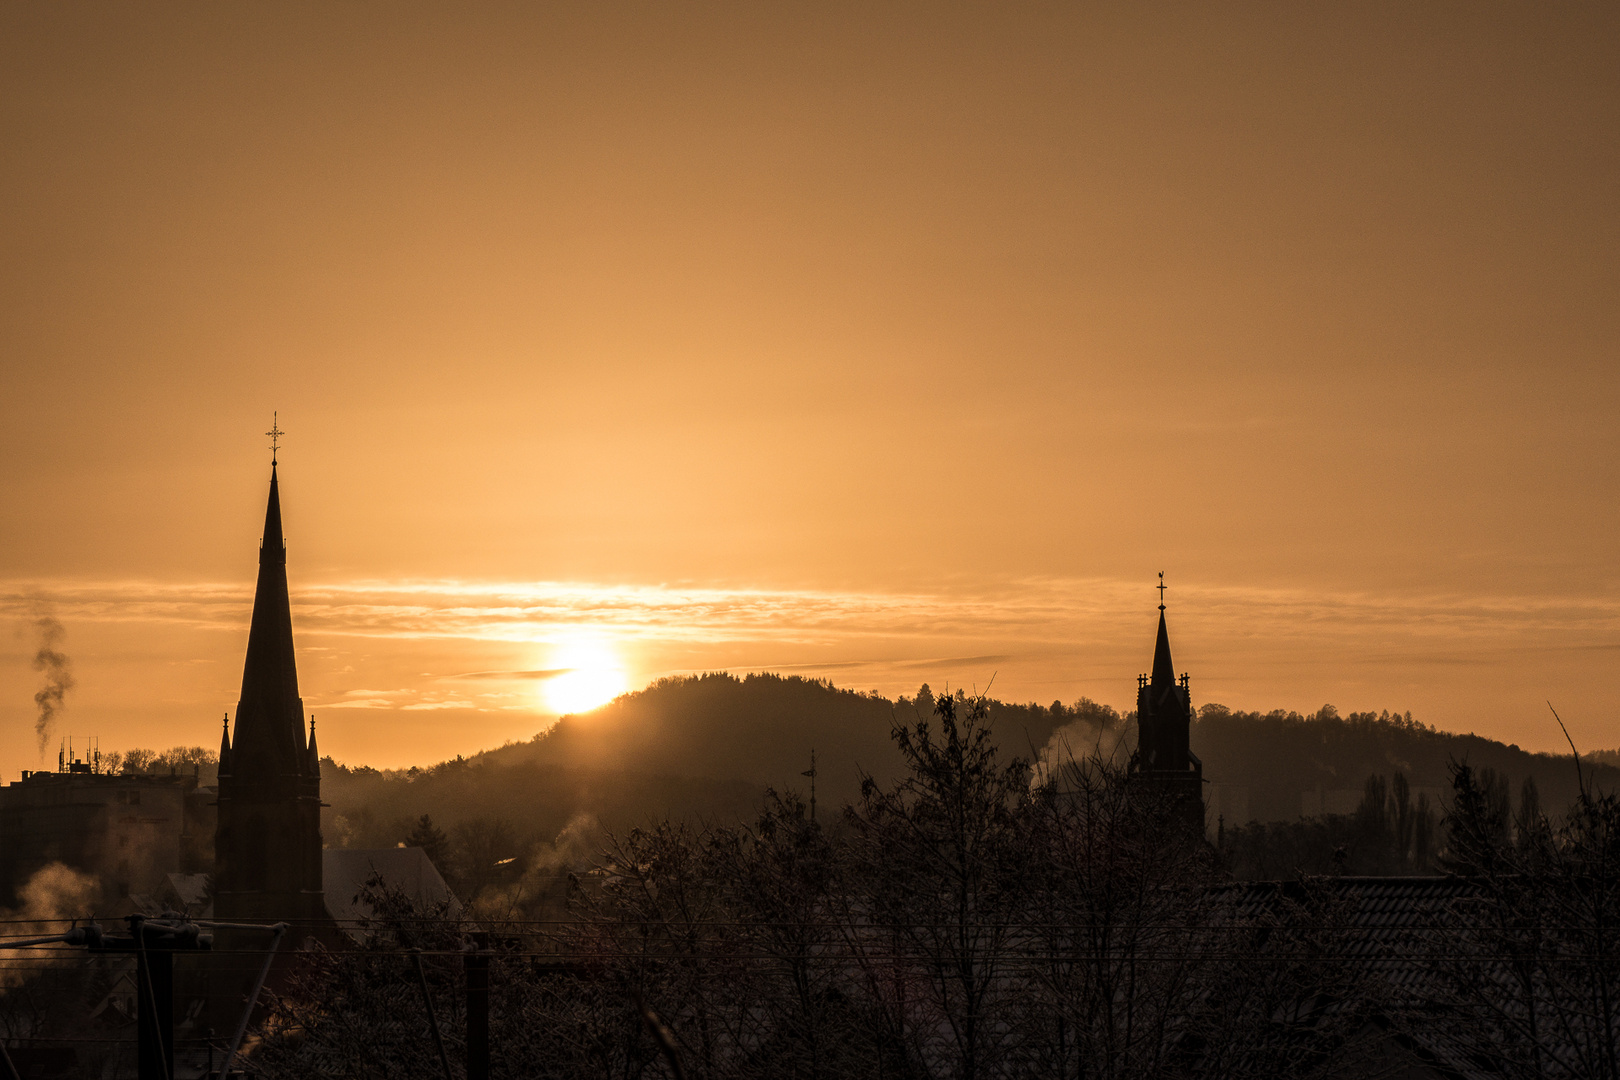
x=275 y=434
x=1161 y=590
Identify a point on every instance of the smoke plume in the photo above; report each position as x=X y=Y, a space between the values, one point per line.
x=52 y=896
x=52 y=697
x=1081 y=743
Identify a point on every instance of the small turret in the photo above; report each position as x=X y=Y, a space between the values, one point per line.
x=314 y=754
x=225 y=747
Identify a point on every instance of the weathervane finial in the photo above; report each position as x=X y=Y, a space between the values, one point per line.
x=1161 y=590
x=275 y=434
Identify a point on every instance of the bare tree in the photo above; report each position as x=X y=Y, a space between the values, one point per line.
x=963 y=923
x=936 y=871
x=1528 y=958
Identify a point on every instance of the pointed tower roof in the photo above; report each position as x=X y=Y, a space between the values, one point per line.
x=269 y=727
x=1164 y=670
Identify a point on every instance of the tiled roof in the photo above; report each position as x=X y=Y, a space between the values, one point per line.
x=1390 y=929
x=408 y=869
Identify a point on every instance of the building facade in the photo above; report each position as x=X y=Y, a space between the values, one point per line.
x=129 y=832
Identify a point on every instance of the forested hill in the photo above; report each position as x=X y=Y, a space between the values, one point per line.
x=1282 y=759
x=761 y=728
x=707 y=746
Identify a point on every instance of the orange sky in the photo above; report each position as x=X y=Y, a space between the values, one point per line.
x=887 y=344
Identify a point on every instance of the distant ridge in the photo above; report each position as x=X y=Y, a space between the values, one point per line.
x=698 y=746
x=708 y=746
x=1283 y=757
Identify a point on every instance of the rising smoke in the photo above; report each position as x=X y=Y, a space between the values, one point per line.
x=52 y=697
x=1098 y=736
x=54 y=894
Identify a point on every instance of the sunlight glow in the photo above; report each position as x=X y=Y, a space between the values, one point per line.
x=595 y=676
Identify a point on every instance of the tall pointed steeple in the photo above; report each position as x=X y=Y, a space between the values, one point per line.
x=1164 y=670
x=269 y=719
x=267 y=850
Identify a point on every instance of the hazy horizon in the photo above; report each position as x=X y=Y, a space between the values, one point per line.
x=408 y=672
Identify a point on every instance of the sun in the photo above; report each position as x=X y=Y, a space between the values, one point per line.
x=594 y=676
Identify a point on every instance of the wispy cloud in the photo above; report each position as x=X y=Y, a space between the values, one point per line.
x=887 y=663
x=1024 y=612
x=400 y=655
x=408 y=698
x=548 y=673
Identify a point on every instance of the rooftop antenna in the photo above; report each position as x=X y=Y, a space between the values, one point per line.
x=1161 y=590
x=276 y=433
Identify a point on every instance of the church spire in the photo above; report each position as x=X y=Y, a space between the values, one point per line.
x=1164 y=670
x=267 y=843
x=269 y=729
x=1164 y=760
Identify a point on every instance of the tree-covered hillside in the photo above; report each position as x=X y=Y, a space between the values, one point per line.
x=1281 y=756
x=708 y=746
x=705 y=746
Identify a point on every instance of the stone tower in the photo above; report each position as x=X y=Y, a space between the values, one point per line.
x=267 y=849
x=1164 y=761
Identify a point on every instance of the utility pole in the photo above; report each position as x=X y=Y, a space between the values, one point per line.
x=154 y=941
x=476 y=966
x=811 y=773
